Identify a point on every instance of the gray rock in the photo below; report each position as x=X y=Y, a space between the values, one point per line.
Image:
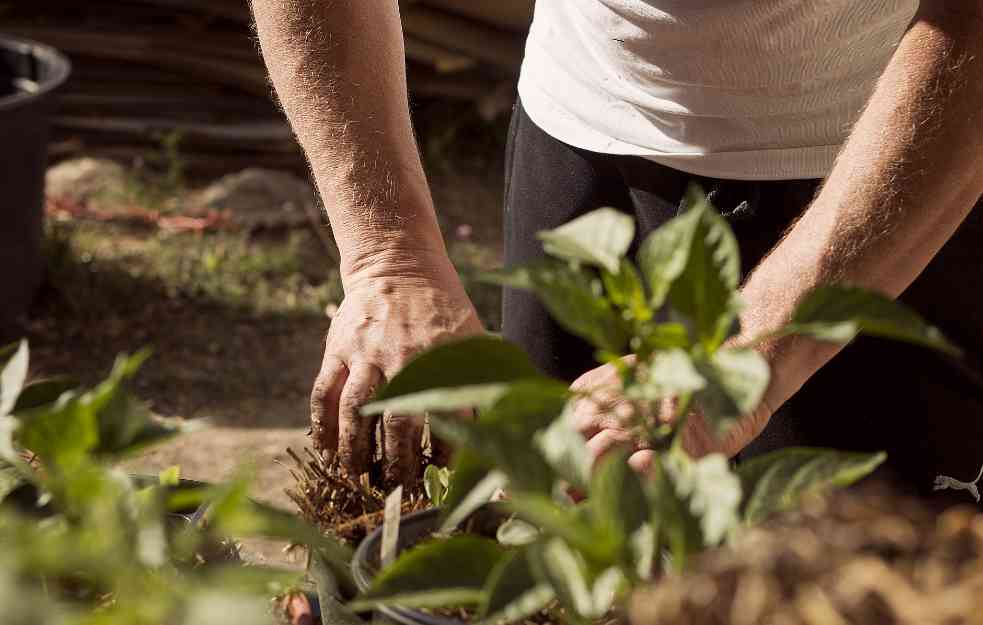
x=86 y=180
x=259 y=198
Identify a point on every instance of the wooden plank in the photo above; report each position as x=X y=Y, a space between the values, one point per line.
x=495 y=47
x=514 y=15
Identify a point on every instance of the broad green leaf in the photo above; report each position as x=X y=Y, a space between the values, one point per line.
x=62 y=435
x=643 y=546
x=564 y=448
x=479 y=495
x=564 y=522
x=468 y=470
x=436 y=483
x=736 y=381
x=617 y=499
x=775 y=481
x=664 y=254
x=10 y=479
x=598 y=238
x=662 y=336
x=439 y=400
x=466 y=362
x=171 y=476
x=670 y=373
x=608 y=587
x=563 y=569
x=574 y=298
x=712 y=490
x=509 y=450
x=705 y=291
x=516 y=533
x=329 y=593
x=838 y=313
x=430 y=575
x=513 y=591
x=12 y=379
x=625 y=290
x=43 y=392
x=528 y=406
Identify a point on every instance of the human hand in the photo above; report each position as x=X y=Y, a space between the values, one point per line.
x=389 y=314
x=602 y=417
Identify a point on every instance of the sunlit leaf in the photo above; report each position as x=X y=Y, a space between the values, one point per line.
x=671 y=373
x=736 y=381
x=625 y=289
x=573 y=298
x=712 y=490
x=664 y=254
x=466 y=362
x=608 y=587
x=468 y=470
x=516 y=533
x=436 y=483
x=705 y=291
x=12 y=379
x=617 y=499
x=171 y=476
x=564 y=522
x=564 y=448
x=838 y=313
x=775 y=481
x=479 y=495
x=600 y=238
x=564 y=570
x=440 y=400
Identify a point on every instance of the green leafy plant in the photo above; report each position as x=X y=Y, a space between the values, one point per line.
x=674 y=311
x=83 y=542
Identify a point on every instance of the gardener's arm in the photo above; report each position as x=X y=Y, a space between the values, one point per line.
x=338 y=67
x=907 y=177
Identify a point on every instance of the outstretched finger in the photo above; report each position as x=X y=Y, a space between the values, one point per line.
x=607 y=441
x=325 y=399
x=354 y=430
x=402 y=437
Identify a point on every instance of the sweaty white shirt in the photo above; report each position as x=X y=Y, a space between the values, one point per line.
x=736 y=89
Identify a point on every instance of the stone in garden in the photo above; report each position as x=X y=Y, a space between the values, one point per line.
x=86 y=181
x=257 y=198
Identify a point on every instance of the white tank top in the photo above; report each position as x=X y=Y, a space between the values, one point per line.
x=736 y=89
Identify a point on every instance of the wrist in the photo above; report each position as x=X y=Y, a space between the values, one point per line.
x=405 y=261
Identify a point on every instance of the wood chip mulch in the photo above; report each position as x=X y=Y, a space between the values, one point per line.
x=869 y=557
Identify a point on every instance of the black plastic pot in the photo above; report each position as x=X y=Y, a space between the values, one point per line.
x=415 y=528
x=29 y=74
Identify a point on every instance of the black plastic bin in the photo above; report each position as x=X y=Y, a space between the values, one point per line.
x=29 y=73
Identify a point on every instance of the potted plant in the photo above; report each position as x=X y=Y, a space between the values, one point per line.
x=674 y=309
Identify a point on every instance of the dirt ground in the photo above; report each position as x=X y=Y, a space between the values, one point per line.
x=236 y=321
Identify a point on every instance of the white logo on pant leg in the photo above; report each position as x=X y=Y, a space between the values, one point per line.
x=944 y=481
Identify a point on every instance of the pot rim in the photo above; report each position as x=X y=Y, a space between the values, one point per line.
x=42 y=53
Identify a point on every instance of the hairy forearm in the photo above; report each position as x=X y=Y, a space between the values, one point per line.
x=338 y=68
x=909 y=174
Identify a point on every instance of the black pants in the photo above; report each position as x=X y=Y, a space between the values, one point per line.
x=925 y=409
